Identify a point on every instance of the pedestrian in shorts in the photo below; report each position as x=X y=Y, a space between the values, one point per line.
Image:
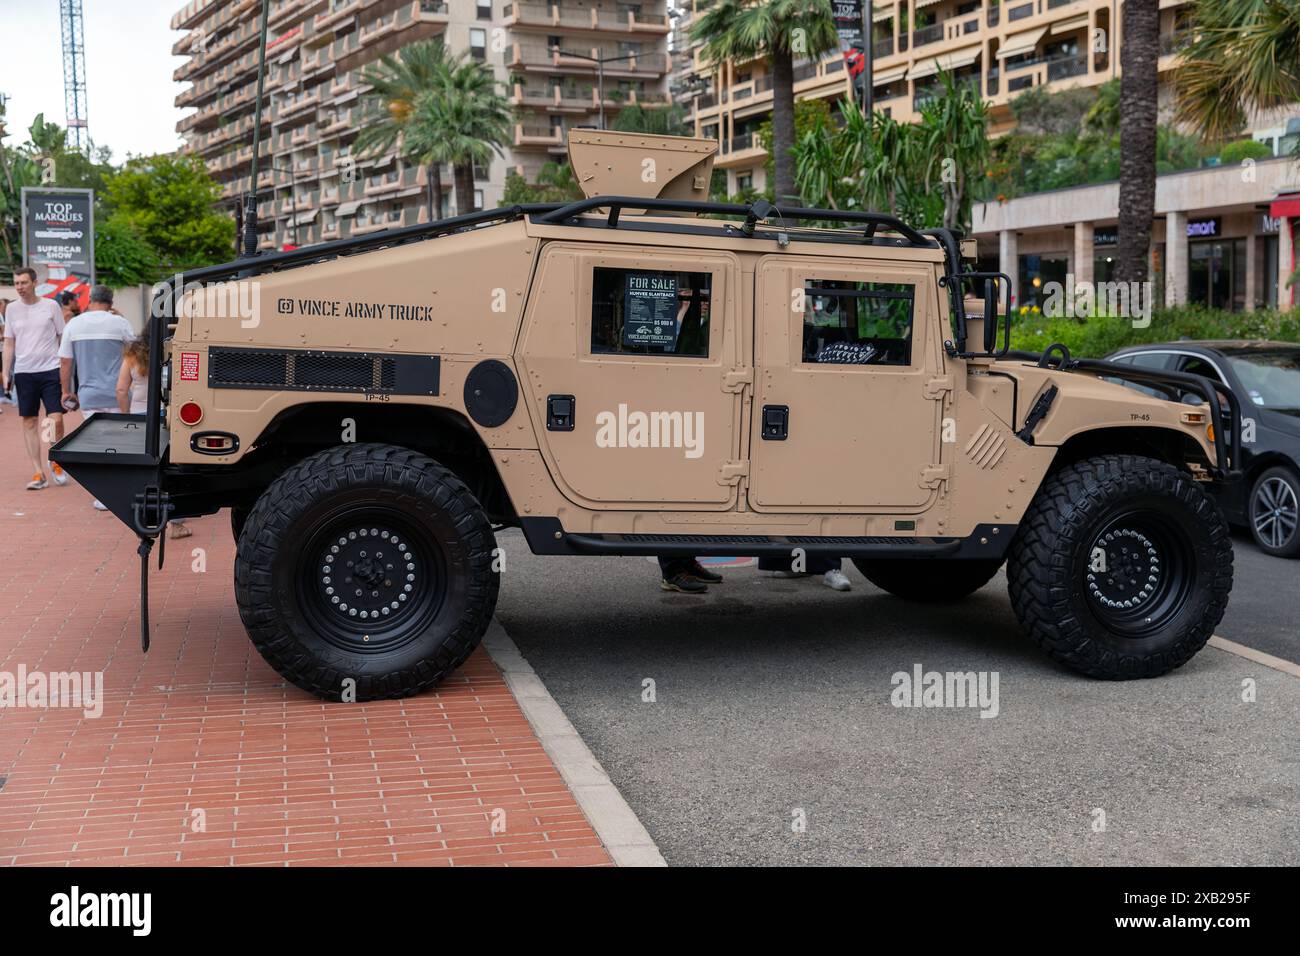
x=33 y=327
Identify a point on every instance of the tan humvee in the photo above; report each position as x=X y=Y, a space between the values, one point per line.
x=631 y=374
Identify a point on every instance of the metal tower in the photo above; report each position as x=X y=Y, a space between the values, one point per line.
x=74 y=72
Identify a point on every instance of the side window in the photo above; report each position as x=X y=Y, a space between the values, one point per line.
x=1193 y=365
x=651 y=312
x=857 y=323
x=1151 y=360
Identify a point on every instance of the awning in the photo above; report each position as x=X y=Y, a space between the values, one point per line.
x=923 y=68
x=306 y=217
x=1288 y=206
x=881 y=77
x=959 y=58
x=1021 y=42
x=925 y=3
x=882 y=13
x=348 y=208
x=948 y=61
x=1065 y=26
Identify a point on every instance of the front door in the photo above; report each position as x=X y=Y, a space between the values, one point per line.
x=848 y=387
x=632 y=360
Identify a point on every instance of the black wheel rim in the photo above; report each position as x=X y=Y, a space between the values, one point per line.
x=369 y=580
x=1138 y=573
x=1274 y=512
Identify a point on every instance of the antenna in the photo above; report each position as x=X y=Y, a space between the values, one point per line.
x=74 y=73
x=250 y=198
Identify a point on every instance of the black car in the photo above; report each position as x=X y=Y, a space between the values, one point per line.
x=1265 y=377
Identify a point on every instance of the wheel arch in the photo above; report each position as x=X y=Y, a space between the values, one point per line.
x=443 y=434
x=1164 y=444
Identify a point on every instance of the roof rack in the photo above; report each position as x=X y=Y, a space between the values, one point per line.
x=754 y=212
x=325 y=251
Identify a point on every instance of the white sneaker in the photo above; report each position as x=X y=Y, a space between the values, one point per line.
x=100 y=506
x=836 y=580
x=783 y=574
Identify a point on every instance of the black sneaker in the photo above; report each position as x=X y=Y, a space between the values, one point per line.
x=699 y=571
x=685 y=582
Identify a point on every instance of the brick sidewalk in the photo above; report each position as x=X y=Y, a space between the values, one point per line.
x=201 y=731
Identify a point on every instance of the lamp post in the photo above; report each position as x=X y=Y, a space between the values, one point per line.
x=600 y=62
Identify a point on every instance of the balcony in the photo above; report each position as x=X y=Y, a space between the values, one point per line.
x=1064 y=67
x=543 y=15
x=527 y=134
x=883 y=48
x=926 y=35
x=1175 y=42
x=1020 y=12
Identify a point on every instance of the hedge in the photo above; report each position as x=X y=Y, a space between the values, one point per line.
x=1099 y=336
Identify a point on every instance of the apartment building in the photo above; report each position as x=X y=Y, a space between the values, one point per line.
x=1002 y=47
x=313 y=185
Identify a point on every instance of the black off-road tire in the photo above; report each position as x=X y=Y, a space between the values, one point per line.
x=936 y=581
x=1164 y=547
x=356 y=531
x=238 y=518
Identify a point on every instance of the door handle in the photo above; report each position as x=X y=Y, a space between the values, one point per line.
x=776 y=422
x=560 y=413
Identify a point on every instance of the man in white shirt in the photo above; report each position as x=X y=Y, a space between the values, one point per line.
x=31 y=362
x=92 y=344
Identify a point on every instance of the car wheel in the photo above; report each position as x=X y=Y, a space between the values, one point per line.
x=1121 y=567
x=365 y=572
x=933 y=582
x=1275 y=512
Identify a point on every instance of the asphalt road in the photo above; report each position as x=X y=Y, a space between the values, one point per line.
x=772 y=706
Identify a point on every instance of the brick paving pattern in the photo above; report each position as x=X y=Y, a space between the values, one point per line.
x=204 y=756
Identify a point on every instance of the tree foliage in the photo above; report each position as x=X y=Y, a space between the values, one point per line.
x=168 y=201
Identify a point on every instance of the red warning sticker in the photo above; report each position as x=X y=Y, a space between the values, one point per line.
x=190 y=366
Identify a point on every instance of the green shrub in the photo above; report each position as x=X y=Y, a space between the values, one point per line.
x=1235 y=152
x=1099 y=336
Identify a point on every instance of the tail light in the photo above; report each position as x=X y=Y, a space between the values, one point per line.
x=190 y=414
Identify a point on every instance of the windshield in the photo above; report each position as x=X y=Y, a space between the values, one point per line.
x=1271 y=379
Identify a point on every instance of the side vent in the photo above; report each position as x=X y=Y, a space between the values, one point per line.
x=309 y=371
x=986 y=447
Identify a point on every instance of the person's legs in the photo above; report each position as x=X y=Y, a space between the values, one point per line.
x=32 y=442
x=678 y=575
x=52 y=398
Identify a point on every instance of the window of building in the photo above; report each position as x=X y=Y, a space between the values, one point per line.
x=629 y=49
x=480 y=171
x=651 y=312
x=478 y=43
x=484 y=9
x=857 y=323
x=478 y=199
x=745 y=183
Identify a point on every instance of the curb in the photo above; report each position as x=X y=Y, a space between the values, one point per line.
x=1259 y=657
x=610 y=816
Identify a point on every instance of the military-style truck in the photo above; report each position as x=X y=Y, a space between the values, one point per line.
x=646 y=372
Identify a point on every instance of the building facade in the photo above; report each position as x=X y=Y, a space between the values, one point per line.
x=312 y=184
x=1222 y=236
x=1002 y=47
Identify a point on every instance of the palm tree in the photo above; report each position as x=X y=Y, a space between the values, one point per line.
x=463 y=119
x=397 y=82
x=1137 y=136
x=1243 y=57
x=740 y=30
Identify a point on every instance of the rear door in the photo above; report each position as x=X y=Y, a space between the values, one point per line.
x=634 y=373
x=848 y=387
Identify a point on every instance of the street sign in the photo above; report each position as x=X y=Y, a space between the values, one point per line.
x=59 y=239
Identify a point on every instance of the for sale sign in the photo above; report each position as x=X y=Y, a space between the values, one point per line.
x=59 y=239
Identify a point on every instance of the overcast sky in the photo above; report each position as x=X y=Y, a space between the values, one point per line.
x=129 y=64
